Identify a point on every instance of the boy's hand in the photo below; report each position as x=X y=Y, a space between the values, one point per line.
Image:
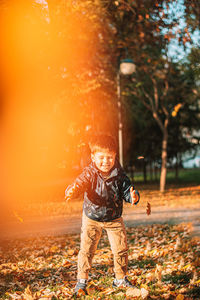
x=134 y=196
x=70 y=193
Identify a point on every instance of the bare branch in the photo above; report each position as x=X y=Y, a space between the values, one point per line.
x=166 y=123
x=155 y=92
x=129 y=7
x=166 y=89
x=158 y=120
x=150 y=100
x=165 y=110
x=163 y=97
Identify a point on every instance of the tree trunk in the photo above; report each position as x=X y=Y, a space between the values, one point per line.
x=144 y=171
x=176 y=167
x=151 y=170
x=155 y=171
x=164 y=160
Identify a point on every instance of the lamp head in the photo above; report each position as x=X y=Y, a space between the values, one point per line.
x=127 y=66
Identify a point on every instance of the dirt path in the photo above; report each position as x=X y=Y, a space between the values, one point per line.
x=72 y=224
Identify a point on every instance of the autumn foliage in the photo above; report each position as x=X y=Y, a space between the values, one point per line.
x=163 y=264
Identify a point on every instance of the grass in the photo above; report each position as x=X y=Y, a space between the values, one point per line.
x=185 y=176
x=180 y=278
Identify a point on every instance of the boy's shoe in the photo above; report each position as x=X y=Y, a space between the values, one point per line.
x=81 y=285
x=124 y=282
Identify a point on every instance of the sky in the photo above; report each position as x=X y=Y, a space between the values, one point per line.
x=176 y=52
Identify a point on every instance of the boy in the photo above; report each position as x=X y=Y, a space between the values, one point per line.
x=105 y=186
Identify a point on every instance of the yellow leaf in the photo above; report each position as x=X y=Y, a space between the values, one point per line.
x=180 y=297
x=144 y=286
x=198 y=281
x=54 y=249
x=174 y=113
x=187 y=266
x=70 y=251
x=177 y=107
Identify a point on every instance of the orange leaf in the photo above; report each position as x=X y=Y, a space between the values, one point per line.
x=54 y=249
x=70 y=251
x=140 y=18
x=46 y=274
x=67 y=264
x=141 y=34
x=81 y=293
x=180 y=297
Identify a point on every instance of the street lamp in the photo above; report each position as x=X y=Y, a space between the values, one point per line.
x=126 y=67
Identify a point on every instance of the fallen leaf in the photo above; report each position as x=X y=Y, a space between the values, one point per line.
x=144 y=293
x=148 y=208
x=54 y=249
x=81 y=293
x=166 y=296
x=198 y=281
x=120 y=294
x=108 y=291
x=28 y=294
x=158 y=272
x=70 y=251
x=187 y=267
x=133 y=292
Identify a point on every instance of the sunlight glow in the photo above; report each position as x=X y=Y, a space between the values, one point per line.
x=42 y=109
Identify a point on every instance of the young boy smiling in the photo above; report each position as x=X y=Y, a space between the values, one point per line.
x=105 y=185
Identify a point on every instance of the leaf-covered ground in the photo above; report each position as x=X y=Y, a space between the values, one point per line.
x=163 y=260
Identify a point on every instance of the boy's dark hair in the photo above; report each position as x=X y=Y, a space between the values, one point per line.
x=102 y=141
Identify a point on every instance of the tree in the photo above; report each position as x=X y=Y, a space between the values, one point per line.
x=147 y=30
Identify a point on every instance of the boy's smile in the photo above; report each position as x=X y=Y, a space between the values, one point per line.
x=104 y=160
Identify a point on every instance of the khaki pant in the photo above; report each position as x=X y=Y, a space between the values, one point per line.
x=90 y=235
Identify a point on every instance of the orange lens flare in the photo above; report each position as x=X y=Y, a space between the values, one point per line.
x=43 y=106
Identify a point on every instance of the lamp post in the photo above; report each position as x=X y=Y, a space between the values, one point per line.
x=126 y=67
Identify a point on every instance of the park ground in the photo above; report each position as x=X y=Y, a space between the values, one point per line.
x=38 y=251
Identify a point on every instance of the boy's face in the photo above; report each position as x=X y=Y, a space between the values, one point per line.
x=104 y=160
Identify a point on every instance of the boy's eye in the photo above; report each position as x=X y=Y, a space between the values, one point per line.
x=101 y=158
